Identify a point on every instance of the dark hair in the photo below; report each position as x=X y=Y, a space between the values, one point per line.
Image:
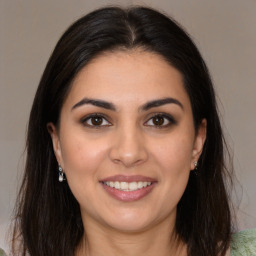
x=48 y=220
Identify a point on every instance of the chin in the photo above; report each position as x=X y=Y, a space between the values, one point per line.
x=130 y=222
x=130 y=227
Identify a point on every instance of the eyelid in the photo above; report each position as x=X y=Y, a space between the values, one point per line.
x=170 y=118
x=90 y=116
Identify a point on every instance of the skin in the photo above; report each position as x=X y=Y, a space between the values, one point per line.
x=128 y=142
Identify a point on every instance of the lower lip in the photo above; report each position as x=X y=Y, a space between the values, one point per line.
x=128 y=196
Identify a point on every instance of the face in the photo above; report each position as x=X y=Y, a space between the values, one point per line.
x=126 y=140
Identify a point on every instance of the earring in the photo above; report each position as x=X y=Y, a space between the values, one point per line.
x=61 y=174
x=195 y=167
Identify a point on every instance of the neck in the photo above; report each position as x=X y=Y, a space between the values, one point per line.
x=159 y=240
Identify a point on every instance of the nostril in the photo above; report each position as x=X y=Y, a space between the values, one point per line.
x=116 y=161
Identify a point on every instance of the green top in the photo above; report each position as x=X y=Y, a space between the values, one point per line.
x=2 y=252
x=243 y=244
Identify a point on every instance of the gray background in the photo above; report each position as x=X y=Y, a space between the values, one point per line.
x=225 y=32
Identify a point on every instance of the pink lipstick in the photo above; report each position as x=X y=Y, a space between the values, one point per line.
x=128 y=188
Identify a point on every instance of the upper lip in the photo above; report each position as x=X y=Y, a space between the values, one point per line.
x=125 y=178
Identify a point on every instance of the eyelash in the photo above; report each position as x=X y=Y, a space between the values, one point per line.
x=88 y=118
x=167 y=118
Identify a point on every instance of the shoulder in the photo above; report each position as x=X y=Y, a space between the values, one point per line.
x=2 y=252
x=243 y=243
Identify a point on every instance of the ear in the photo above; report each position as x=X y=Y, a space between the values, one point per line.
x=55 y=142
x=199 y=142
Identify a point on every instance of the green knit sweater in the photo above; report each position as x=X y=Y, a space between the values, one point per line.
x=243 y=244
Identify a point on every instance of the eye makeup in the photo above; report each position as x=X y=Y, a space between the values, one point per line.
x=156 y=120
x=95 y=120
x=161 y=120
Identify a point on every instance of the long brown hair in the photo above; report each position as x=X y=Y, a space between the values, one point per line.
x=48 y=220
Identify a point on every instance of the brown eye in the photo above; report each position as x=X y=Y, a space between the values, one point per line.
x=158 y=120
x=97 y=120
x=161 y=121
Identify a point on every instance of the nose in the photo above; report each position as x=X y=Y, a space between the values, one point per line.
x=128 y=148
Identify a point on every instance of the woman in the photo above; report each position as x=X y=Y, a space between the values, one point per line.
x=124 y=147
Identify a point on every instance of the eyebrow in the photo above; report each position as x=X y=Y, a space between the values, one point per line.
x=161 y=102
x=95 y=102
x=111 y=106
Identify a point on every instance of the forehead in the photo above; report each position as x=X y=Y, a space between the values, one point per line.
x=124 y=76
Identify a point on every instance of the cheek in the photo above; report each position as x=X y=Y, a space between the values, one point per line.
x=174 y=154
x=173 y=161
x=82 y=156
x=82 y=160
x=173 y=157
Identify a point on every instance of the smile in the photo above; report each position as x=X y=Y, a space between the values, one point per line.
x=127 y=186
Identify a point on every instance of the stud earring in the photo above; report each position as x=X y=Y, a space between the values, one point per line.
x=61 y=174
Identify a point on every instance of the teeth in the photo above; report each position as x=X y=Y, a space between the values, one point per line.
x=127 y=186
x=117 y=185
x=124 y=185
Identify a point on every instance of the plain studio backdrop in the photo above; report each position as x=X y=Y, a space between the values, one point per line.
x=224 y=31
